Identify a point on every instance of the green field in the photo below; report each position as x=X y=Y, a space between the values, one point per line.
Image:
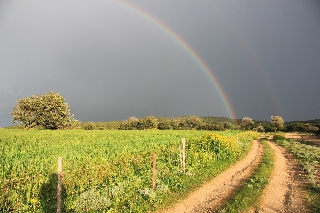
x=107 y=171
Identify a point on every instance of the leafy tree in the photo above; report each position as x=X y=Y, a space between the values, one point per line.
x=193 y=122
x=246 y=123
x=260 y=128
x=227 y=125
x=25 y=111
x=89 y=126
x=267 y=127
x=211 y=127
x=149 y=122
x=294 y=127
x=302 y=127
x=129 y=124
x=167 y=123
x=277 y=122
x=164 y=124
x=48 y=111
x=310 y=128
x=174 y=123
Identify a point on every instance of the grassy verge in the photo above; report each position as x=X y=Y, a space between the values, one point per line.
x=250 y=193
x=309 y=157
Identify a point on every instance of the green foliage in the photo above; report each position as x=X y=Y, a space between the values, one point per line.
x=164 y=124
x=227 y=125
x=279 y=137
x=102 y=170
x=277 y=122
x=25 y=112
x=149 y=122
x=247 y=123
x=220 y=121
x=222 y=146
x=211 y=127
x=130 y=124
x=259 y=128
x=267 y=127
x=110 y=125
x=89 y=126
x=48 y=111
x=302 y=127
x=193 y=122
x=91 y=200
x=168 y=124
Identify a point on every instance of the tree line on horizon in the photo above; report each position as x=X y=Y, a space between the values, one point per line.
x=206 y=123
x=49 y=111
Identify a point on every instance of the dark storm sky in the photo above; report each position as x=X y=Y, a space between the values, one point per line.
x=110 y=62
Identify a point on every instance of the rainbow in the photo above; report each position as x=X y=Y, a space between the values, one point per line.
x=250 y=52
x=187 y=48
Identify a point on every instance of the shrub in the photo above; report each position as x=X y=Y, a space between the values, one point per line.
x=129 y=124
x=193 y=122
x=211 y=127
x=89 y=126
x=149 y=122
x=279 y=137
x=222 y=146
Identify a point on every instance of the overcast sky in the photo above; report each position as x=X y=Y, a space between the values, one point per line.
x=114 y=59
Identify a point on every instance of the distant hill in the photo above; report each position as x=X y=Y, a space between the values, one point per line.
x=315 y=121
x=219 y=120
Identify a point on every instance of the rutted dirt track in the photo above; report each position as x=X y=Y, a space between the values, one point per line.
x=220 y=188
x=281 y=195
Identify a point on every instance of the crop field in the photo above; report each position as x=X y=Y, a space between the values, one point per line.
x=109 y=171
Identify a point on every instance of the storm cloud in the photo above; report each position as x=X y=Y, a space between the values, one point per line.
x=111 y=59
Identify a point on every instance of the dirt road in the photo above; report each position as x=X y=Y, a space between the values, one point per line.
x=220 y=188
x=283 y=194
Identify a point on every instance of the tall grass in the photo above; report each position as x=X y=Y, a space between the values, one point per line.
x=103 y=171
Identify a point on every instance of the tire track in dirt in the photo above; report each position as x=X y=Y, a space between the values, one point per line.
x=282 y=194
x=214 y=193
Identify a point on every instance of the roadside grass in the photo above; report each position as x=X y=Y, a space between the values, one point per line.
x=309 y=157
x=249 y=194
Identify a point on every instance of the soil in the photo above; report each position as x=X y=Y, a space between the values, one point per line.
x=312 y=140
x=283 y=194
x=284 y=191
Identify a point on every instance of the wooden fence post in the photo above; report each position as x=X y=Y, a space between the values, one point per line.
x=154 y=158
x=59 y=189
x=184 y=155
x=237 y=138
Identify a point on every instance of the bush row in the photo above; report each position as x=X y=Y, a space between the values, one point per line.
x=182 y=123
